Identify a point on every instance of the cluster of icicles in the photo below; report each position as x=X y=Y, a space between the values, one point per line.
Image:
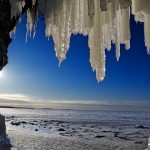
x=104 y=21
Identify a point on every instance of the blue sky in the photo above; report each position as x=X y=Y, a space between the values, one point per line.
x=33 y=73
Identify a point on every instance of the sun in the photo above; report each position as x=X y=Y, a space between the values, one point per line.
x=1 y=74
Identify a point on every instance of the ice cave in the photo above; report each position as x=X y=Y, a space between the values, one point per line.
x=105 y=22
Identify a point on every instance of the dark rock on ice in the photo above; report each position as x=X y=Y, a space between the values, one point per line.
x=61 y=129
x=116 y=134
x=138 y=142
x=122 y=137
x=32 y=123
x=23 y=122
x=15 y=123
x=141 y=127
x=99 y=136
x=106 y=131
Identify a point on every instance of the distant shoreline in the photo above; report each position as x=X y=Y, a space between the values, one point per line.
x=16 y=107
x=91 y=108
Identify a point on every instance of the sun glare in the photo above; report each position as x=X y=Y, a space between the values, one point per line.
x=1 y=74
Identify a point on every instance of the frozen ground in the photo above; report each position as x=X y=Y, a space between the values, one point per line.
x=38 y=129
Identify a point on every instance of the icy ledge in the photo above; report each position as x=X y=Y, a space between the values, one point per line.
x=104 y=21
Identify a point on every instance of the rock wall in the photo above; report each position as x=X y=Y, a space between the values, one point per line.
x=5 y=22
x=2 y=126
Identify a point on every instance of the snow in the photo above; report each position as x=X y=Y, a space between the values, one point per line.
x=117 y=127
x=104 y=21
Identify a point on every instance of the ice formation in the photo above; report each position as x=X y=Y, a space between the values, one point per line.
x=148 y=148
x=3 y=137
x=2 y=126
x=104 y=21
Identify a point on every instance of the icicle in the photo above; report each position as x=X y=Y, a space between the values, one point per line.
x=13 y=32
x=97 y=51
x=91 y=8
x=103 y=5
x=141 y=10
x=31 y=22
x=33 y=2
x=104 y=21
x=125 y=3
x=125 y=27
x=16 y=7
